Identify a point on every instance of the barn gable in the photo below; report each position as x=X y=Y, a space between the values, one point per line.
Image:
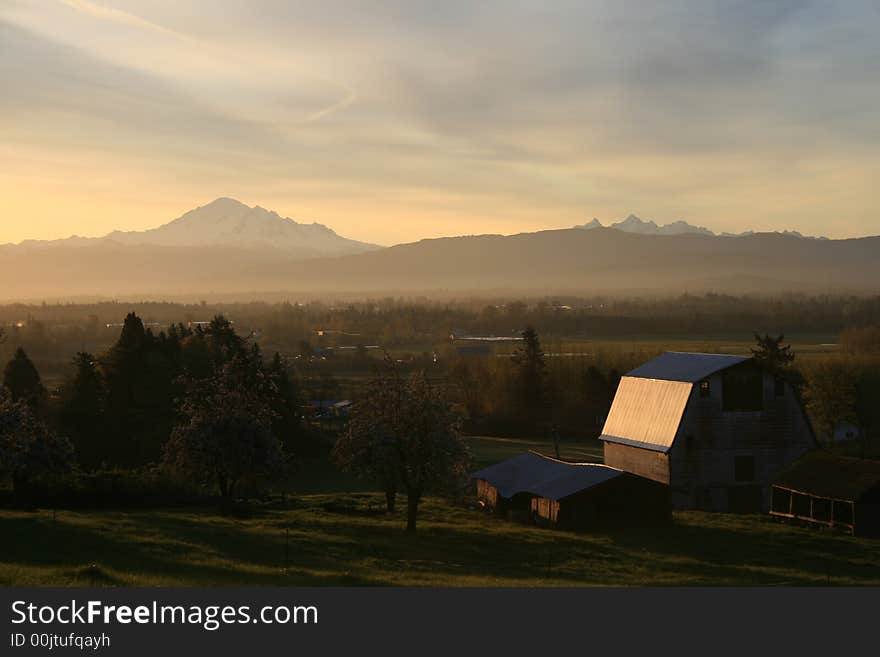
x=651 y=400
x=646 y=413
x=716 y=428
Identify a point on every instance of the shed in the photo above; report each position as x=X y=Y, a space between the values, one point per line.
x=835 y=491
x=569 y=495
x=715 y=427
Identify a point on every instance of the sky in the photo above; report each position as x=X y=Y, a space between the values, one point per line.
x=395 y=121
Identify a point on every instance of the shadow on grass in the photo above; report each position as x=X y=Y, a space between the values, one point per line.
x=307 y=546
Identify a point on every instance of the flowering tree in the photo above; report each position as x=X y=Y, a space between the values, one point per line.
x=225 y=433
x=404 y=435
x=28 y=448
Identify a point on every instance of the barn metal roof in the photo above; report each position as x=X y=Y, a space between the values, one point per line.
x=685 y=367
x=646 y=413
x=544 y=476
x=823 y=474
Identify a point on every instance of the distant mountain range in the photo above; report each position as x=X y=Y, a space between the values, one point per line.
x=228 y=249
x=226 y=222
x=632 y=224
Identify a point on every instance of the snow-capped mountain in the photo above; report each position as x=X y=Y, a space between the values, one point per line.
x=633 y=224
x=226 y=222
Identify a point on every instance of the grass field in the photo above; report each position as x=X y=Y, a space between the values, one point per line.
x=337 y=539
x=332 y=531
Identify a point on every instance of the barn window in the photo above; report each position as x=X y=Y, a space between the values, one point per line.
x=743 y=389
x=779 y=386
x=744 y=468
x=705 y=390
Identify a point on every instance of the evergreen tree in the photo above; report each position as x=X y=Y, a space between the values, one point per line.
x=597 y=396
x=81 y=415
x=287 y=425
x=23 y=382
x=223 y=342
x=772 y=353
x=140 y=377
x=532 y=380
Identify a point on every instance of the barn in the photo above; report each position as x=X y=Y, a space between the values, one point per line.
x=716 y=428
x=829 y=490
x=574 y=496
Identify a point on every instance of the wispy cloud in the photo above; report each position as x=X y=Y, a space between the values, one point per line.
x=405 y=118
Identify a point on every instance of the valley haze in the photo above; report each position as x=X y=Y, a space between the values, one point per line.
x=229 y=248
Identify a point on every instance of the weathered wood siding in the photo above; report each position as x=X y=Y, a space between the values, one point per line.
x=643 y=462
x=703 y=456
x=546 y=510
x=487 y=493
x=628 y=501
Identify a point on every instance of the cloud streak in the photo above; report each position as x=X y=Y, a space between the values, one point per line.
x=401 y=119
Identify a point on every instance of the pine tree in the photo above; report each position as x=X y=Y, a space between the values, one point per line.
x=772 y=353
x=532 y=380
x=23 y=382
x=287 y=425
x=82 y=409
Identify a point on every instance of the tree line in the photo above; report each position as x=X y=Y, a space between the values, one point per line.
x=202 y=401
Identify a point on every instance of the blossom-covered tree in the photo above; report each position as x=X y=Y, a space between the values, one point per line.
x=225 y=433
x=28 y=448
x=405 y=436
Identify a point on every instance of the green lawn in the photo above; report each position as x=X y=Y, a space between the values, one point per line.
x=339 y=539
x=333 y=531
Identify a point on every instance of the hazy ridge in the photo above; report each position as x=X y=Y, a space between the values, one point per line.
x=567 y=260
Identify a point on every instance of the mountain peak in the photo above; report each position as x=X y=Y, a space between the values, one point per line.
x=634 y=224
x=228 y=222
x=595 y=223
x=225 y=202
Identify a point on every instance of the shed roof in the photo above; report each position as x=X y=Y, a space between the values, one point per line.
x=685 y=367
x=544 y=476
x=646 y=413
x=824 y=474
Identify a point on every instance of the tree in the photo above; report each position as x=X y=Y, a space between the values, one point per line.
x=532 y=380
x=772 y=353
x=597 y=396
x=369 y=446
x=831 y=396
x=28 y=448
x=285 y=403
x=225 y=432
x=224 y=343
x=82 y=407
x=141 y=371
x=23 y=382
x=867 y=404
x=404 y=434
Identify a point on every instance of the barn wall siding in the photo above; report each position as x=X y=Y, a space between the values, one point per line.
x=643 y=462
x=700 y=463
x=702 y=458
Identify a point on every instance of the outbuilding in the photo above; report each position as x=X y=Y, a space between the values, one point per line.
x=834 y=491
x=716 y=428
x=567 y=495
